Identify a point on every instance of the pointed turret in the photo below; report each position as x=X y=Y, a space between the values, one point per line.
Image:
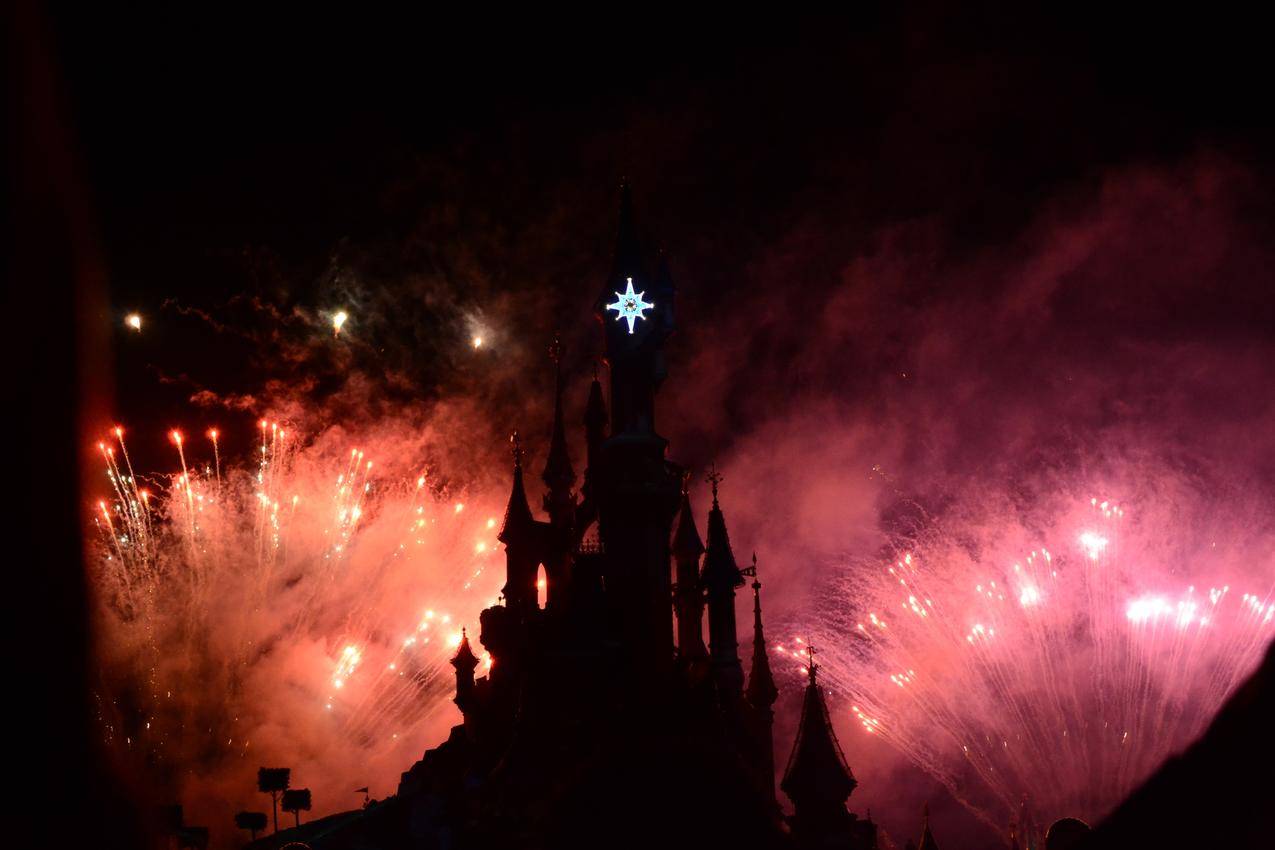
x=927 y=838
x=464 y=659
x=720 y=578
x=720 y=568
x=686 y=543
x=523 y=541
x=688 y=595
x=762 y=694
x=465 y=662
x=558 y=475
x=519 y=524
x=761 y=684
x=817 y=779
x=595 y=418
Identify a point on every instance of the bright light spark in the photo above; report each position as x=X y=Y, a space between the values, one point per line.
x=134 y=321
x=1093 y=543
x=338 y=320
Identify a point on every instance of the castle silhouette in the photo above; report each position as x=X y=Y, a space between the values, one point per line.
x=594 y=726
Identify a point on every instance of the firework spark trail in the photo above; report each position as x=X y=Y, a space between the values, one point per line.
x=1065 y=678
x=229 y=573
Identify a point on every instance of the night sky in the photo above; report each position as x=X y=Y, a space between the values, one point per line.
x=281 y=158
x=845 y=203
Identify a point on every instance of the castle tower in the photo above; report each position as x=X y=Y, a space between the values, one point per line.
x=465 y=663
x=522 y=537
x=635 y=491
x=818 y=780
x=688 y=595
x=636 y=322
x=720 y=578
x=761 y=695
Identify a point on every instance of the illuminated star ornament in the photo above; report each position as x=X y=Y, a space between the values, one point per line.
x=629 y=305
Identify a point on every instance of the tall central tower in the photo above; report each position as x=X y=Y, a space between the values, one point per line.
x=637 y=491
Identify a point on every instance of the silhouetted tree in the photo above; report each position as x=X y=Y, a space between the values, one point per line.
x=296 y=800
x=254 y=822
x=273 y=781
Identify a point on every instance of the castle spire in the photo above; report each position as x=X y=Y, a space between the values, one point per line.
x=464 y=661
x=817 y=779
x=762 y=692
x=523 y=541
x=558 y=474
x=720 y=578
x=688 y=595
x=519 y=522
x=927 y=837
x=595 y=416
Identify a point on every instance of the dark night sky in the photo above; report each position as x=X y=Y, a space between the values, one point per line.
x=421 y=170
x=256 y=156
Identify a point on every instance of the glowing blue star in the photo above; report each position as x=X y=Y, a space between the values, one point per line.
x=629 y=305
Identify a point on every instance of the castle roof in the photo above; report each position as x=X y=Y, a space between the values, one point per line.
x=519 y=524
x=817 y=769
x=464 y=658
x=595 y=409
x=927 y=837
x=720 y=569
x=686 y=543
x=761 y=682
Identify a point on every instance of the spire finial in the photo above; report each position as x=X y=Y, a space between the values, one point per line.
x=515 y=444
x=686 y=482
x=756 y=580
x=812 y=667
x=714 y=478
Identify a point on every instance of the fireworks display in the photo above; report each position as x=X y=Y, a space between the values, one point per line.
x=298 y=609
x=1042 y=684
